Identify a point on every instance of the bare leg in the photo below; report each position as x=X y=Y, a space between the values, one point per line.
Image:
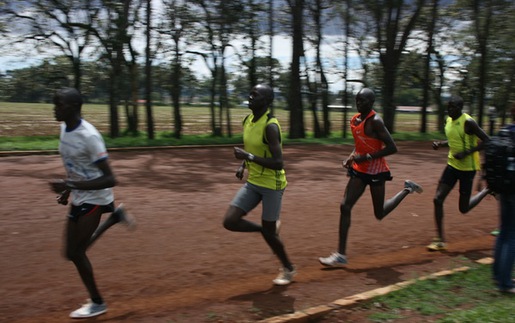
x=381 y=208
x=353 y=191
x=467 y=203
x=118 y=215
x=234 y=221
x=78 y=234
x=272 y=239
x=441 y=194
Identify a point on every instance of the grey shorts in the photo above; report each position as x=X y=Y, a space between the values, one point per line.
x=249 y=196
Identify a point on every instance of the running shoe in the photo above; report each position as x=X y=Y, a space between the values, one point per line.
x=89 y=309
x=412 y=186
x=285 y=276
x=336 y=259
x=437 y=245
x=124 y=217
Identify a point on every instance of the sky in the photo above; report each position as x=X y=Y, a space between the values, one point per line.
x=282 y=51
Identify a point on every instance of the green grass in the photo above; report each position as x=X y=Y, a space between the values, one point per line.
x=31 y=126
x=468 y=296
x=26 y=143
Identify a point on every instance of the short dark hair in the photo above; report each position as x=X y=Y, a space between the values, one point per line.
x=267 y=91
x=456 y=100
x=70 y=96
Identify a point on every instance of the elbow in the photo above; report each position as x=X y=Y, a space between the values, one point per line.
x=111 y=182
x=278 y=165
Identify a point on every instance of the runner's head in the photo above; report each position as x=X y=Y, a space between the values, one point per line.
x=455 y=107
x=67 y=104
x=365 y=100
x=261 y=97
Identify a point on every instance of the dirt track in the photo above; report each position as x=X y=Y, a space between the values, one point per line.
x=180 y=265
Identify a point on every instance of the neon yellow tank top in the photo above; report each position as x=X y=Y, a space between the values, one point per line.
x=460 y=141
x=254 y=140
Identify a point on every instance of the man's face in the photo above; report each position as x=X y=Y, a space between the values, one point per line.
x=362 y=104
x=62 y=111
x=453 y=109
x=257 y=99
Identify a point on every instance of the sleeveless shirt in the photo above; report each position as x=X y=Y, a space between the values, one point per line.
x=367 y=145
x=460 y=141
x=255 y=142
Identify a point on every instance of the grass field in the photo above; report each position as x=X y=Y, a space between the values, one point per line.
x=463 y=297
x=29 y=126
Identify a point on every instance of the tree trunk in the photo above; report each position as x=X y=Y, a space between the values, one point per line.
x=295 y=95
x=148 y=74
x=427 y=66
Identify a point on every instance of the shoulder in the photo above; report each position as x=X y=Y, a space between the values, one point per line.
x=376 y=121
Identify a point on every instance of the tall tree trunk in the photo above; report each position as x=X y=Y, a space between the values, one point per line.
x=176 y=94
x=148 y=73
x=346 y=67
x=295 y=95
x=482 y=34
x=427 y=81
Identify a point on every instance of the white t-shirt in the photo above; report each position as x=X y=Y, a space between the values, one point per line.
x=80 y=149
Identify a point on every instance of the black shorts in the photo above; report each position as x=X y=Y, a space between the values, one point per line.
x=466 y=177
x=85 y=209
x=370 y=179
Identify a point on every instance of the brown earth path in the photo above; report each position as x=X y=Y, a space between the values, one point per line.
x=180 y=265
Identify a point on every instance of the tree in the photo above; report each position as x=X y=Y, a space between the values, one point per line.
x=427 y=65
x=55 y=23
x=218 y=24
x=319 y=89
x=177 y=25
x=394 y=21
x=294 y=94
x=148 y=71
x=114 y=34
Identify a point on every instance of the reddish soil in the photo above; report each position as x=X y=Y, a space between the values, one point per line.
x=180 y=265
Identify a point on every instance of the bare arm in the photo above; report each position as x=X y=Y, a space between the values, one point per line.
x=380 y=132
x=472 y=128
x=274 y=143
x=106 y=180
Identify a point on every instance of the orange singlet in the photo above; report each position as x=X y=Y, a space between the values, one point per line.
x=367 y=145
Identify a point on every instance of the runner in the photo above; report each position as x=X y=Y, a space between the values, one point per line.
x=367 y=166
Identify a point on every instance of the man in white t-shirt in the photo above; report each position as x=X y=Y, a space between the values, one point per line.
x=89 y=182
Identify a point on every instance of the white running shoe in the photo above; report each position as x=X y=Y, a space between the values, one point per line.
x=412 y=186
x=89 y=309
x=285 y=276
x=336 y=259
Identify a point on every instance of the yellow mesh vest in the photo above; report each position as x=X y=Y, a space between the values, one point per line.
x=460 y=141
x=254 y=140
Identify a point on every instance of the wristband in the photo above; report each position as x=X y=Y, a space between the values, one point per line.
x=369 y=157
x=250 y=157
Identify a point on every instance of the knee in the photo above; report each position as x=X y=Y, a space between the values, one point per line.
x=379 y=214
x=268 y=234
x=438 y=202
x=464 y=208
x=345 y=209
x=229 y=223
x=71 y=255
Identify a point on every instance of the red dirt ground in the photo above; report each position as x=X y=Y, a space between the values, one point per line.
x=180 y=265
